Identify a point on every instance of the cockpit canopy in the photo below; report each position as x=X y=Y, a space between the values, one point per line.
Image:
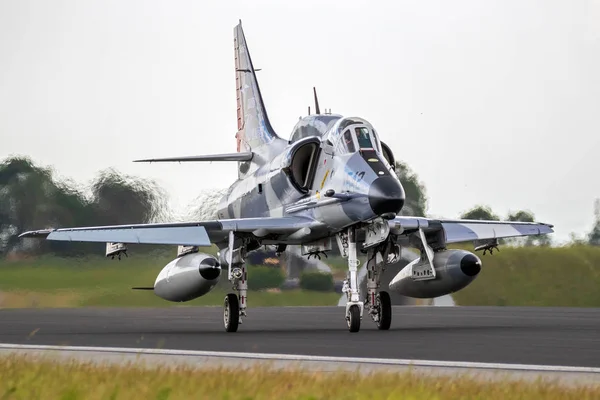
x=351 y=134
x=313 y=125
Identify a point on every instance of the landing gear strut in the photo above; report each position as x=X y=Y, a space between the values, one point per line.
x=354 y=307
x=235 y=305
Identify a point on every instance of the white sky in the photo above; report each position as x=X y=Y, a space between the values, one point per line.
x=492 y=102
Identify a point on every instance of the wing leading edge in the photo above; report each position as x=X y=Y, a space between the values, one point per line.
x=210 y=232
x=184 y=234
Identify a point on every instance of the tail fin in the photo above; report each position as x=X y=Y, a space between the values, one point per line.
x=254 y=128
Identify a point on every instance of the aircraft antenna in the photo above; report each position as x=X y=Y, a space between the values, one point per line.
x=317 y=109
x=308 y=110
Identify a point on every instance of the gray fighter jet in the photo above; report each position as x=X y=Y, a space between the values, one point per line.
x=333 y=181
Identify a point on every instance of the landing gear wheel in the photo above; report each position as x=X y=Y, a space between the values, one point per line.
x=353 y=318
x=231 y=313
x=384 y=304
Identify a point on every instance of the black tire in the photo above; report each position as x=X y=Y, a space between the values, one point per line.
x=385 y=311
x=354 y=321
x=231 y=313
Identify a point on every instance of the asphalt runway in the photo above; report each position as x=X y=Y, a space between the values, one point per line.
x=541 y=336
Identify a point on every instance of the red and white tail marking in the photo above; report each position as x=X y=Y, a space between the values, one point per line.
x=238 y=94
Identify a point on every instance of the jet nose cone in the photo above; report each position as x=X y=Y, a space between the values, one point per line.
x=386 y=195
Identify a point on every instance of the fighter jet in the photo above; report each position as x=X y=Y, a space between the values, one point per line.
x=332 y=183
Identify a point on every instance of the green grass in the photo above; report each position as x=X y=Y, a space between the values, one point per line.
x=516 y=276
x=529 y=276
x=31 y=378
x=536 y=276
x=96 y=281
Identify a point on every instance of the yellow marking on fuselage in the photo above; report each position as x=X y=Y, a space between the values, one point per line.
x=324 y=179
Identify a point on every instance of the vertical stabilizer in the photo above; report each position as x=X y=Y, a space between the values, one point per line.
x=254 y=128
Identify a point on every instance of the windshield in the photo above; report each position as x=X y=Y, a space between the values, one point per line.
x=349 y=135
x=348 y=142
x=364 y=138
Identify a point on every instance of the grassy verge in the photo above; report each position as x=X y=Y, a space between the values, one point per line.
x=96 y=281
x=522 y=276
x=29 y=378
x=537 y=276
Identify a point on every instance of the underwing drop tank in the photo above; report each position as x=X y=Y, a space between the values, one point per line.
x=187 y=277
x=454 y=270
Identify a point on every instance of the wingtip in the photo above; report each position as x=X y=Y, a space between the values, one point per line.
x=36 y=234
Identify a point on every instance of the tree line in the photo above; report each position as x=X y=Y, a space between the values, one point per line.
x=33 y=197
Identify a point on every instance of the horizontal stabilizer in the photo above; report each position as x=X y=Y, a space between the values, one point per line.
x=142 y=288
x=210 y=157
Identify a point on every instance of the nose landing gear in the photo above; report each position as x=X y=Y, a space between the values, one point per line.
x=378 y=304
x=354 y=307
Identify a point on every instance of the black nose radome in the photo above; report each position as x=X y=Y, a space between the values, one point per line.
x=470 y=265
x=386 y=195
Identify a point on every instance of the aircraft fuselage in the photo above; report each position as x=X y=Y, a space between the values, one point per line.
x=333 y=176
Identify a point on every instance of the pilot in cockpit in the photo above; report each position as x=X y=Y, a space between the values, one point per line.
x=364 y=138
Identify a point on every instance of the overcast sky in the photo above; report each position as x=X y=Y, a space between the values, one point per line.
x=490 y=102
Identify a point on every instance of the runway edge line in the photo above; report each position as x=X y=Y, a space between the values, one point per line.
x=308 y=358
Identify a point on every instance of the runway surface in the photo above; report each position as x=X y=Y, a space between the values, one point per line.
x=543 y=336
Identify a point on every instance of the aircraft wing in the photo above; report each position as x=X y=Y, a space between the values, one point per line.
x=471 y=230
x=185 y=233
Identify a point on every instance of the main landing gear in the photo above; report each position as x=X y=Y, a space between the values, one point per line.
x=231 y=313
x=378 y=304
x=235 y=305
x=354 y=307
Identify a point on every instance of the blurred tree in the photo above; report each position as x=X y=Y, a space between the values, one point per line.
x=416 y=199
x=521 y=216
x=480 y=212
x=576 y=240
x=120 y=199
x=594 y=236
x=31 y=198
x=26 y=199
